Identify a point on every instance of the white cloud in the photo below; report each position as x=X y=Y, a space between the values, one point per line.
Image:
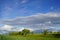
x=6 y=27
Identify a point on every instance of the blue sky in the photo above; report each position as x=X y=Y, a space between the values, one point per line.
x=28 y=13
x=15 y=8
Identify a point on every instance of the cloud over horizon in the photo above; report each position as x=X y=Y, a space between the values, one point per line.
x=38 y=21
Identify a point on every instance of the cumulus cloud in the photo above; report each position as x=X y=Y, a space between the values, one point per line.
x=39 y=20
x=6 y=27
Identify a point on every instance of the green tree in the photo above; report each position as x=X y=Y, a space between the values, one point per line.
x=20 y=33
x=25 y=32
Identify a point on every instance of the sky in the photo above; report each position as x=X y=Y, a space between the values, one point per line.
x=33 y=14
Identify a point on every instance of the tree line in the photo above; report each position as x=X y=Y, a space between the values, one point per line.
x=25 y=32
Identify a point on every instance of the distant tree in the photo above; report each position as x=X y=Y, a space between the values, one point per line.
x=45 y=32
x=50 y=32
x=25 y=32
x=58 y=32
x=32 y=32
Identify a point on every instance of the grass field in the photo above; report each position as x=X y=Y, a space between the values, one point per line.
x=29 y=37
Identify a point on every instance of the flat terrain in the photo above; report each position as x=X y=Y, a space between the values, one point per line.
x=29 y=37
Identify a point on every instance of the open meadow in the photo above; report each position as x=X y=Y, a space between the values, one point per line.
x=28 y=37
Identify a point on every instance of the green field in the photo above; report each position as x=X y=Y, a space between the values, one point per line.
x=29 y=37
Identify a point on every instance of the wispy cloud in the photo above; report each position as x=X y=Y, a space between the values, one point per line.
x=51 y=7
x=24 y=1
x=6 y=11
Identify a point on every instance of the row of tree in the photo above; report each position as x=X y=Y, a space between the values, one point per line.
x=24 y=32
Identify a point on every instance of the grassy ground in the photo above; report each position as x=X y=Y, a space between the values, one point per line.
x=29 y=37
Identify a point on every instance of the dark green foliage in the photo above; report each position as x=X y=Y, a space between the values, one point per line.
x=20 y=33
x=25 y=32
x=56 y=35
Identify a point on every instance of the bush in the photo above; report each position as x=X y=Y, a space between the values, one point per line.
x=56 y=35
